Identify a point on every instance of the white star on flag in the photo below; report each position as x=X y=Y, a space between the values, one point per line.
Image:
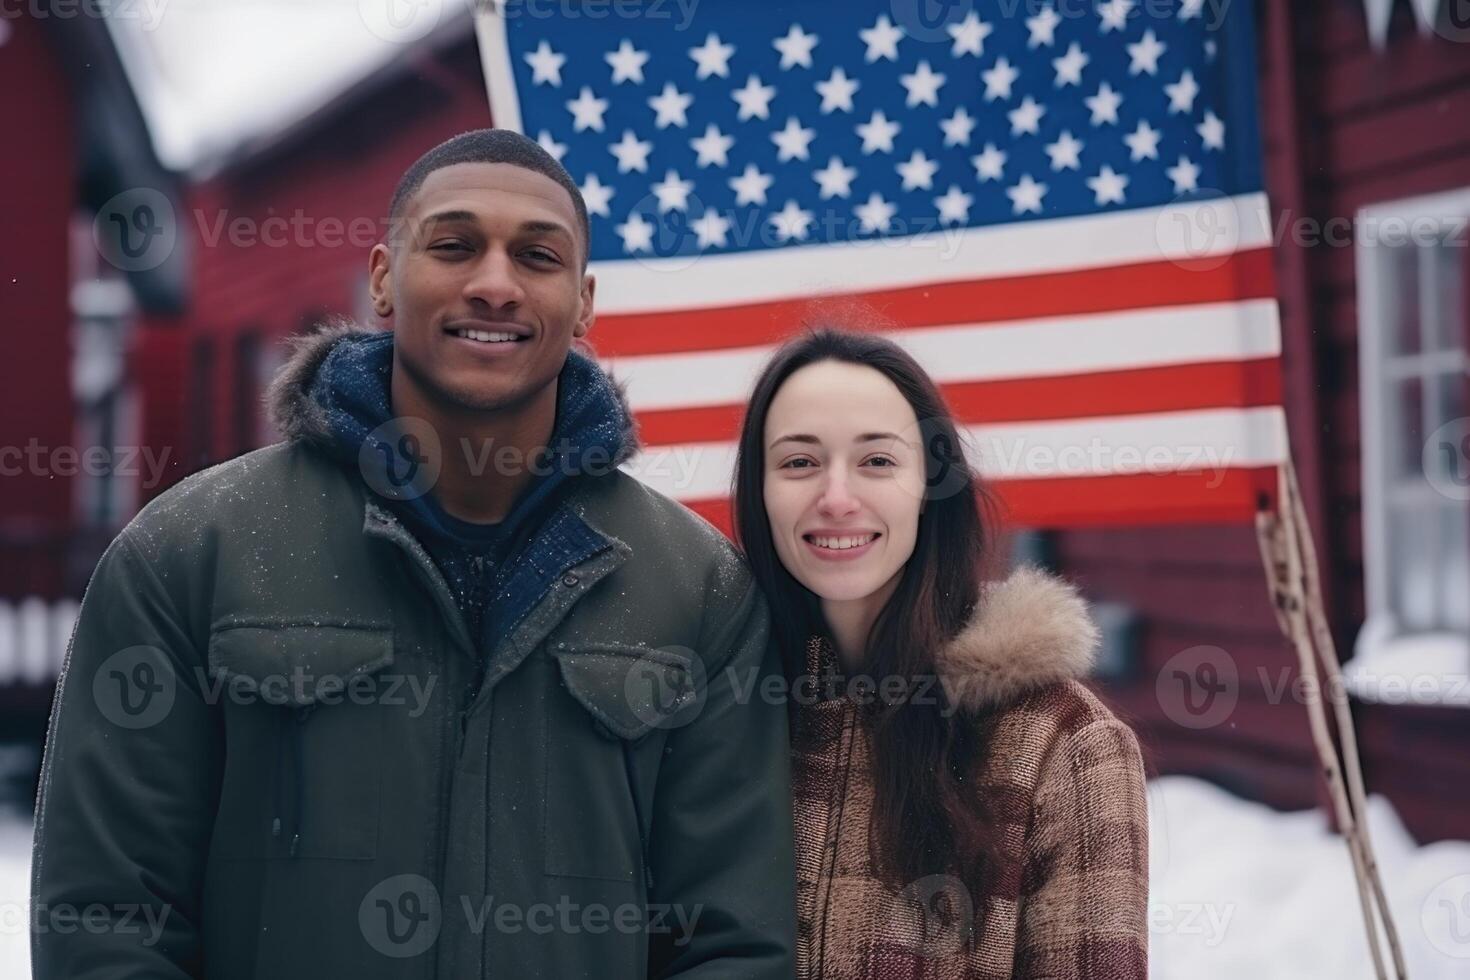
x=837 y=91
x=954 y=206
x=835 y=179
x=1145 y=54
x=1026 y=195
x=1144 y=142
x=713 y=147
x=1114 y=14
x=712 y=228
x=923 y=86
x=587 y=110
x=1108 y=186
x=792 y=141
x=1185 y=176
x=637 y=234
x=545 y=65
x=882 y=40
x=671 y=106
x=1026 y=118
x=917 y=172
x=596 y=195
x=672 y=193
x=754 y=99
x=990 y=163
x=796 y=48
x=957 y=128
x=632 y=153
x=1182 y=93
x=1043 y=28
x=751 y=186
x=1104 y=105
x=1065 y=153
x=969 y=36
x=627 y=63
x=878 y=133
x=712 y=58
x=999 y=80
x=791 y=222
x=550 y=145
x=876 y=213
x=1212 y=131
x=1069 y=66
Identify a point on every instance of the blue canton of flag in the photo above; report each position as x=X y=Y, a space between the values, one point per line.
x=764 y=125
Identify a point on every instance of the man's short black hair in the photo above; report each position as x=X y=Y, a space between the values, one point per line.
x=490 y=146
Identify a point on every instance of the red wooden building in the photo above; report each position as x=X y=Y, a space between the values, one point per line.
x=1348 y=127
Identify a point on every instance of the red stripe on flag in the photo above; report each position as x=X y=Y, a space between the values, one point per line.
x=1171 y=388
x=1240 y=276
x=1200 y=497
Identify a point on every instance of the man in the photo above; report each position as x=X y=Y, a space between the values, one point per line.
x=431 y=689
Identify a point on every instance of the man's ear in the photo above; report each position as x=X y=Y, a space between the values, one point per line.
x=380 y=284
x=588 y=314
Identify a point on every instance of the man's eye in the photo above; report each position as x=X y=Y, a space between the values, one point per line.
x=449 y=247
x=541 y=255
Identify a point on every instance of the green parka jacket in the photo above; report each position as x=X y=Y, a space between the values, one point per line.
x=274 y=752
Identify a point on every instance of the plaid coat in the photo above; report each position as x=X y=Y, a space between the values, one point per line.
x=1065 y=783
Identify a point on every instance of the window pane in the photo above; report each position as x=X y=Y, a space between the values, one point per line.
x=1430 y=545
x=1401 y=299
x=1445 y=312
x=1405 y=432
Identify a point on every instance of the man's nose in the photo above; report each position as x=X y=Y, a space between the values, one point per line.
x=495 y=281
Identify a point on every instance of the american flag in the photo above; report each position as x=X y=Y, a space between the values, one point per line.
x=1061 y=206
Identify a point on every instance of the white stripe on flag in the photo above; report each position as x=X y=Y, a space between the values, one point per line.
x=1047 y=347
x=1186 y=232
x=1166 y=442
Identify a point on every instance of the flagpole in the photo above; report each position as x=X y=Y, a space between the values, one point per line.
x=1291 y=569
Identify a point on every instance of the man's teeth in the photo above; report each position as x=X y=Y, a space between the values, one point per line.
x=842 y=544
x=486 y=336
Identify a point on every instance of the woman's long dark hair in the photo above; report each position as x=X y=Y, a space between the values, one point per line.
x=927 y=816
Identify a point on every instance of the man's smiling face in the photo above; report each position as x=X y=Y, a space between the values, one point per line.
x=485 y=285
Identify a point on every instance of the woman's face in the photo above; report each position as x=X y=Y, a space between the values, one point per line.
x=844 y=479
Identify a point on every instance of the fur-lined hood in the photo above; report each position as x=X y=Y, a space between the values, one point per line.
x=300 y=418
x=1031 y=630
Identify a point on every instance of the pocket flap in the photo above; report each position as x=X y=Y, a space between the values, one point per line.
x=296 y=664
x=633 y=690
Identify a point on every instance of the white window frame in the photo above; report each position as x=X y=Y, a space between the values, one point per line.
x=1391 y=663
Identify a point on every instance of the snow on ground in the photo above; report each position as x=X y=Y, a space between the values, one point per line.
x=1238 y=892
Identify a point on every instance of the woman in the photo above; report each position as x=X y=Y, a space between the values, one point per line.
x=964 y=806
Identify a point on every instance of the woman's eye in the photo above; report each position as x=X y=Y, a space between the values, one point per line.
x=881 y=462
x=799 y=463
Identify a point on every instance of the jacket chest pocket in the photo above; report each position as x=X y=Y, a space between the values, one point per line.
x=611 y=700
x=303 y=709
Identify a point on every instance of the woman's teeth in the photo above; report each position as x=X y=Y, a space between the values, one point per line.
x=842 y=544
x=486 y=336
